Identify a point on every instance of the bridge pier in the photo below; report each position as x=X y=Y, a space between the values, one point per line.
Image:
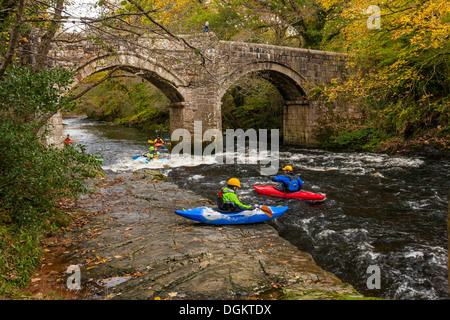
x=300 y=117
x=176 y=115
x=55 y=136
x=200 y=104
x=299 y=120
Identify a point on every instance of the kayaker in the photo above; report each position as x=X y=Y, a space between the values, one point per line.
x=289 y=181
x=227 y=200
x=153 y=154
x=158 y=142
x=68 y=139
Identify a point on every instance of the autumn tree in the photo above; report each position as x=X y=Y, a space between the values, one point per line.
x=399 y=53
x=297 y=23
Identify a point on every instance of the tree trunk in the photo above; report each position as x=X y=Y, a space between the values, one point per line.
x=13 y=40
x=48 y=37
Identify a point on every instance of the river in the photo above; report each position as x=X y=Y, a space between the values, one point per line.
x=383 y=211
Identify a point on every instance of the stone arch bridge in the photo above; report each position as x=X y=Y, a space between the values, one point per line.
x=194 y=72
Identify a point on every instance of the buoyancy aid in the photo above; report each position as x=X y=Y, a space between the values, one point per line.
x=289 y=182
x=227 y=200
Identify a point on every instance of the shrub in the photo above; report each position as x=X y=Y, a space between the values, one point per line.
x=33 y=175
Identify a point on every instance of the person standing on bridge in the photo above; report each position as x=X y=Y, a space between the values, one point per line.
x=289 y=181
x=227 y=200
x=206 y=27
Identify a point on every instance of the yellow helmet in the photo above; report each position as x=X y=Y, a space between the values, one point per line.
x=234 y=182
x=288 y=168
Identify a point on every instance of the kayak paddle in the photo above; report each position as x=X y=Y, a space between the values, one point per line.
x=266 y=210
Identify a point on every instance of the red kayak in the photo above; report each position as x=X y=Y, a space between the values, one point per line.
x=303 y=195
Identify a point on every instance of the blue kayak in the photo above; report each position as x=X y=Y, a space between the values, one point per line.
x=148 y=160
x=214 y=216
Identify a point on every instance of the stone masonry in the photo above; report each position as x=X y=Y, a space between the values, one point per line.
x=195 y=72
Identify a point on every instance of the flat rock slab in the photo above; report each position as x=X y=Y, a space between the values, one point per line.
x=136 y=247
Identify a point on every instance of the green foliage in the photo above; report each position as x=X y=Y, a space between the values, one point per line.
x=19 y=254
x=33 y=176
x=28 y=97
x=297 y=23
x=129 y=102
x=399 y=73
x=345 y=139
x=302 y=20
x=409 y=125
x=252 y=103
x=224 y=19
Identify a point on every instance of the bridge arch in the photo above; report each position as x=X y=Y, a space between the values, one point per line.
x=293 y=87
x=289 y=82
x=170 y=83
x=167 y=81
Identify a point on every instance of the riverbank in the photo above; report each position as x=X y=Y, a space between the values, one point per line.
x=129 y=244
x=430 y=145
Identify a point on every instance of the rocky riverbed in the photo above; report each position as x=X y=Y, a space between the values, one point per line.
x=135 y=247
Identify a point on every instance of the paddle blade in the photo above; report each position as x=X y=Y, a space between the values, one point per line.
x=267 y=211
x=150 y=141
